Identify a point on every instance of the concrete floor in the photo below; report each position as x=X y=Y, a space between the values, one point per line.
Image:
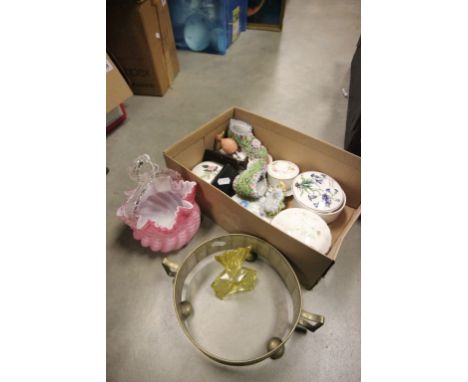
x=294 y=77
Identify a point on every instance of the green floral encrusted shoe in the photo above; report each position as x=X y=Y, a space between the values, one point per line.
x=241 y=132
x=252 y=182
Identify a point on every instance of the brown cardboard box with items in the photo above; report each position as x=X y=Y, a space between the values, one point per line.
x=140 y=37
x=117 y=90
x=282 y=143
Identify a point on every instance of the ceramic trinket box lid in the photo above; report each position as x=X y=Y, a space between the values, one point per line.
x=305 y=226
x=318 y=191
x=282 y=173
x=207 y=170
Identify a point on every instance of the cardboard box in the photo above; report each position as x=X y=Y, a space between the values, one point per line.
x=266 y=15
x=140 y=37
x=282 y=143
x=117 y=89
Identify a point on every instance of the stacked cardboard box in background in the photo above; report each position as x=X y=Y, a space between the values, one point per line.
x=140 y=37
x=117 y=90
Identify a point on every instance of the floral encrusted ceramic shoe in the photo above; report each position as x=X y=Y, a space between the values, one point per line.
x=242 y=133
x=252 y=182
x=274 y=201
x=254 y=206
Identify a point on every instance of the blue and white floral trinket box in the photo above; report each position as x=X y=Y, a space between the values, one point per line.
x=320 y=193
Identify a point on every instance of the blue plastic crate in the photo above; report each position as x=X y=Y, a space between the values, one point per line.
x=237 y=19
x=207 y=25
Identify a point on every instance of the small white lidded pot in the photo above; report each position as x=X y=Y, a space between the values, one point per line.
x=207 y=170
x=282 y=173
x=320 y=193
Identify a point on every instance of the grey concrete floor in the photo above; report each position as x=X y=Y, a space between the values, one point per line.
x=294 y=77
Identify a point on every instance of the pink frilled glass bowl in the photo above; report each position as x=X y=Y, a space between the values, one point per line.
x=162 y=210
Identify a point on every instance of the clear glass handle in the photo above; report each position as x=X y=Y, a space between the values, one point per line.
x=143 y=170
x=146 y=174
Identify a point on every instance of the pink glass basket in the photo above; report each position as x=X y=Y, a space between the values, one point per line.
x=162 y=210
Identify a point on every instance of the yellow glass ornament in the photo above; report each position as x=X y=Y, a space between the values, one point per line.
x=235 y=278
